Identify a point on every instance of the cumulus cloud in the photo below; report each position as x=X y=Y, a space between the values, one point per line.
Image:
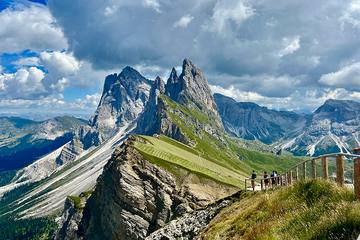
x=25 y=83
x=29 y=27
x=184 y=21
x=291 y=45
x=60 y=66
x=27 y=61
x=48 y=107
x=347 y=77
x=226 y=12
x=41 y=76
x=154 y=4
x=352 y=14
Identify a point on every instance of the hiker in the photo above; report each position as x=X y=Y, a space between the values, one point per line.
x=253 y=177
x=266 y=180
x=273 y=178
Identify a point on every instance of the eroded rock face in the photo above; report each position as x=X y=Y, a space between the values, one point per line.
x=132 y=199
x=123 y=99
x=191 y=86
x=69 y=221
x=190 y=225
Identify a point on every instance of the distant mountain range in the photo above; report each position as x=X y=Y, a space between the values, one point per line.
x=23 y=141
x=333 y=127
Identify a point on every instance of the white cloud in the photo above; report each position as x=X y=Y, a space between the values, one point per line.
x=47 y=107
x=352 y=14
x=184 y=21
x=90 y=100
x=154 y=4
x=27 y=61
x=226 y=12
x=60 y=66
x=29 y=27
x=347 y=77
x=25 y=83
x=110 y=10
x=291 y=45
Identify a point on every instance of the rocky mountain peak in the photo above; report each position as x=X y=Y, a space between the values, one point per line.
x=158 y=85
x=338 y=110
x=123 y=99
x=190 y=86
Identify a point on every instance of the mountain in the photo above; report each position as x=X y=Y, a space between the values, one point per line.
x=75 y=165
x=123 y=99
x=250 y=121
x=334 y=127
x=23 y=141
x=184 y=102
x=185 y=162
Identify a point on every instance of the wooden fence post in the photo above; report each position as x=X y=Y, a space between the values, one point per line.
x=262 y=184
x=304 y=169
x=340 y=170
x=290 y=177
x=245 y=185
x=325 y=167
x=297 y=173
x=357 y=177
x=313 y=168
x=286 y=179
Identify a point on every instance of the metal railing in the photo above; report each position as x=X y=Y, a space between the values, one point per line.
x=292 y=174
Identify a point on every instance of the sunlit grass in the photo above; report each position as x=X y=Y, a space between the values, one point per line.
x=315 y=209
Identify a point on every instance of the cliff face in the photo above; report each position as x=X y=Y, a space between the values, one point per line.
x=182 y=99
x=134 y=197
x=123 y=100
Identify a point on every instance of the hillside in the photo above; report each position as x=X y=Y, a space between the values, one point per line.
x=314 y=209
x=23 y=141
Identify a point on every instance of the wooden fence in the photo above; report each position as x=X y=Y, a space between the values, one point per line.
x=293 y=174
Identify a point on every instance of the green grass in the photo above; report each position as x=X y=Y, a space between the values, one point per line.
x=77 y=201
x=160 y=151
x=314 y=209
x=215 y=156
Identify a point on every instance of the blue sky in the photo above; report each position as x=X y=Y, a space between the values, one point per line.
x=54 y=55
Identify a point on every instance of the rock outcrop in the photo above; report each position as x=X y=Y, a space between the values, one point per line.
x=123 y=100
x=133 y=198
x=190 y=225
x=189 y=90
x=190 y=87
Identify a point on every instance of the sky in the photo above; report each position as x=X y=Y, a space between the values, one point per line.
x=293 y=55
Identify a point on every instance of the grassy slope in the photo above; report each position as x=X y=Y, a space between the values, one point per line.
x=221 y=158
x=314 y=209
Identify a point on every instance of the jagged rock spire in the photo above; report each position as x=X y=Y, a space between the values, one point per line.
x=123 y=99
x=190 y=86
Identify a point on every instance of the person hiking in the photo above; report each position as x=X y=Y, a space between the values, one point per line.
x=266 y=180
x=273 y=178
x=253 y=177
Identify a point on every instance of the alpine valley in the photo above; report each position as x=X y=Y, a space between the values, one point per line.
x=157 y=160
